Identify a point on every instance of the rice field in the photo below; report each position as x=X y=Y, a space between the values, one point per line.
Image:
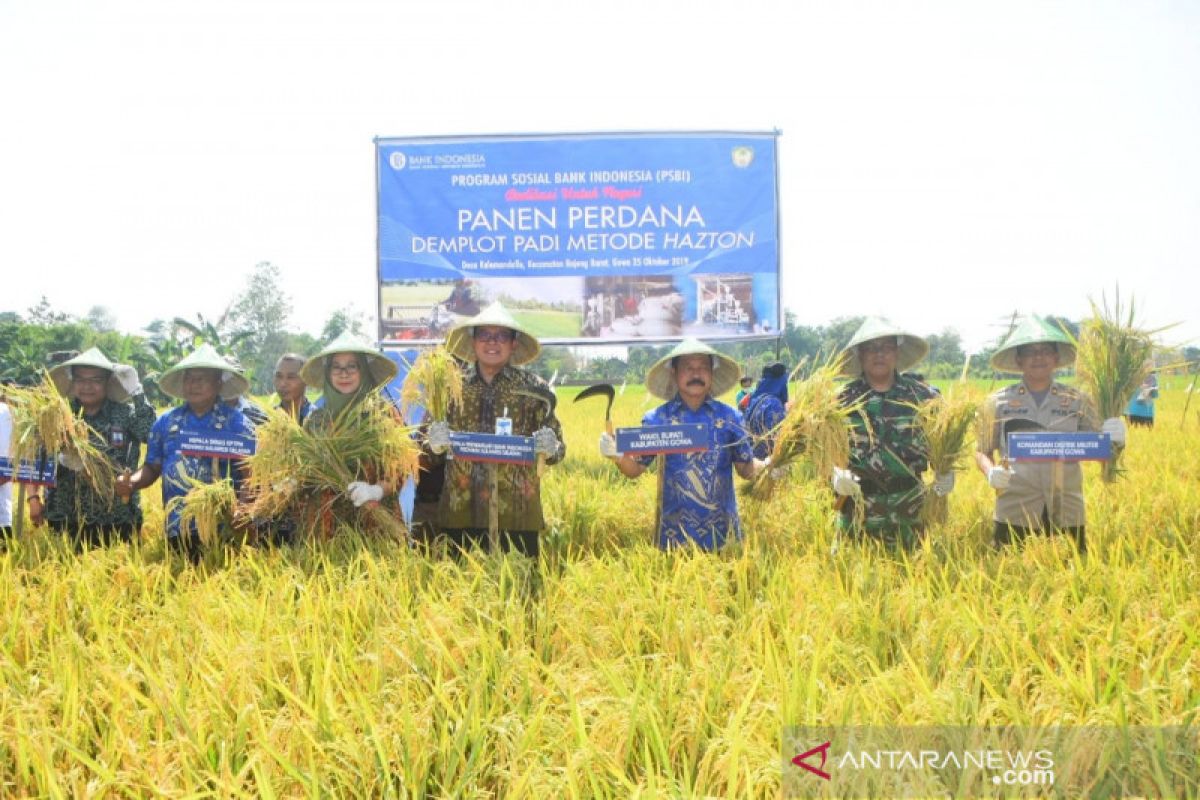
x=359 y=669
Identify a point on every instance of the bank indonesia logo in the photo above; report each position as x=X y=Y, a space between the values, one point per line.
x=397 y=160
x=742 y=156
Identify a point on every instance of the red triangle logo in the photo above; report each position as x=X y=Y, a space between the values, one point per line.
x=819 y=771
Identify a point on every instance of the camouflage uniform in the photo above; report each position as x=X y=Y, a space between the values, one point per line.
x=464 y=500
x=119 y=430
x=888 y=453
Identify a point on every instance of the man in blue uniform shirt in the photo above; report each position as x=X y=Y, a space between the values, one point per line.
x=698 y=505
x=199 y=379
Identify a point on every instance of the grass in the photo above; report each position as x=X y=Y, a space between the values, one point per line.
x=546 y=324
x=354 y=668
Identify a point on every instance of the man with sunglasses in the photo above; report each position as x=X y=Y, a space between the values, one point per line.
x=888 y=453
x=492 y=346
x=1042 y=497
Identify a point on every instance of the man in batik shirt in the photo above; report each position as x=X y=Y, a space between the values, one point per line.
x=493 y=346
x=698 y=505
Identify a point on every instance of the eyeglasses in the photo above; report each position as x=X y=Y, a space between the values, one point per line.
x=343 y=369
x=90 y=381
x=494 y=336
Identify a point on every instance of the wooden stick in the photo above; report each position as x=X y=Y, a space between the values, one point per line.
x=493 y=509
x=19 y=519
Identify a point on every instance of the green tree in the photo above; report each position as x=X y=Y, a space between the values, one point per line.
x=262 y=310
x=342 y=320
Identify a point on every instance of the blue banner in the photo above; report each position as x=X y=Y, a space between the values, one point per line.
x=215 y=444
x=492 y=449
x=586 y=238
x=654 y=440
x=37 y=473
x=1050 y=446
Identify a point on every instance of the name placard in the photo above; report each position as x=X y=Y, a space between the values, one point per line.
x=1051 y=446
x=36 y=473
x=657 y=440
x=215 y=444
x=488 y=448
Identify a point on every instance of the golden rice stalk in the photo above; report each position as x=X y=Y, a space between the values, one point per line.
x=209 y=505
x=946 y=422
x=365 y=442
x=815 y=431
x=43 y=424
x=434 y=382
x=1113 y=357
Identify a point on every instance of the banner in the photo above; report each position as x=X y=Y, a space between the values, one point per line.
x=215 y=444
x=36 y=473
x=586 y=238
x=492 y=449
x=654 y=440
x=1050 y=446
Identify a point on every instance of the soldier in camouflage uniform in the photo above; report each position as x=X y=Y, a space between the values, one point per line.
x=493 y=345
x=99 y=390
x=888 y=452
x=1037 y=497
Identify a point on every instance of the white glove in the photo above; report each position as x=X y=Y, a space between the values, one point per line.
x=70 y=461
x=608 y=446
x=1115 y=428
x=361 y=493
x=777 y=473
x=439 y=437
x=544 y=441
x=285 y=486
x=943 y=483
x=1000 y=477
x=128 y=378
x=844 y=482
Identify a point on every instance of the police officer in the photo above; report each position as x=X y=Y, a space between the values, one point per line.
x=1041 y=497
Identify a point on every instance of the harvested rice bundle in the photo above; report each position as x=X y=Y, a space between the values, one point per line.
x=1113 y=357
x=435 y=382
x=946 y=422
x=210 y=506
x=44 y=424
x=292 y=463
x=815 y=431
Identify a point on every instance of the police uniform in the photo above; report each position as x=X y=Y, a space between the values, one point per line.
x=1040 y=494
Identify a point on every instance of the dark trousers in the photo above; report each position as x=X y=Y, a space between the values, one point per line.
x=459 y=540
x=187 y=545
x=1004 y=533
x=93 y=535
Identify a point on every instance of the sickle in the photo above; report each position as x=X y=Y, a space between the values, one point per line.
x=601 y=390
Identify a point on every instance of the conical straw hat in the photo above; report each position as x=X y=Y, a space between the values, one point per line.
x=460 y=341
x=660 y=380
x=912 y=348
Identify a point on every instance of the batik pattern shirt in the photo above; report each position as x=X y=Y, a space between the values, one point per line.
x=118 y=430
x=465 y=494
x=166 y=439
x=699 y=506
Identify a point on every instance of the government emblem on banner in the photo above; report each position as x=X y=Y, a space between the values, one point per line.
x=743 y=155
